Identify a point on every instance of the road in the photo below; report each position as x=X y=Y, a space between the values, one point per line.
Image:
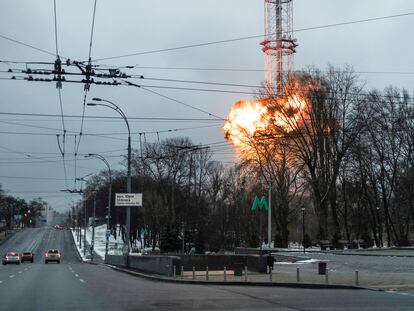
x=73 y=285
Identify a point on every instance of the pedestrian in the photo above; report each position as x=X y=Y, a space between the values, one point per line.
x=270 y=261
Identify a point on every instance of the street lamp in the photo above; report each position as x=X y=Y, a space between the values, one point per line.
x=113 y=106
x=303 y=229
x=379 y=227
x=98 y=156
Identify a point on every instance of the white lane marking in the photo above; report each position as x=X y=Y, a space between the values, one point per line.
x=25 y=269
x=81 y=280
x=77 y=275
x=20 y=272
x=11 y=276
x=1 y=282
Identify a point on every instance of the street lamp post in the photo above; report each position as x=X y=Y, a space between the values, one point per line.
x=113 y=106
x=379 y=227
x=98 y=156
x=84 y=229
x=93 y=225
x=303 y=229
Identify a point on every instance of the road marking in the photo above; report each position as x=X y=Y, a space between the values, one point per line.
x=77 y=275
x=1 y=282
x=81 y=280
x=20 y=272
x=11 y=276
x=25 y=269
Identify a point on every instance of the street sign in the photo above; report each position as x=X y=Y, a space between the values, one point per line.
x=128 y=199
x=144 y=231
x=262 y=204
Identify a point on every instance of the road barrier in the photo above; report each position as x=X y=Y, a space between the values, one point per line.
x=162 y=265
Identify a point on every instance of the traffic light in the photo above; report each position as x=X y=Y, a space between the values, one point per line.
x=30 y=221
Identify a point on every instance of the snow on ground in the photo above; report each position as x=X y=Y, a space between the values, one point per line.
x=80 y=249
x=300 y=262
x=114 y=246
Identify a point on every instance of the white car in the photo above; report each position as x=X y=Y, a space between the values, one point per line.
x=52 y=255
x=11 y=257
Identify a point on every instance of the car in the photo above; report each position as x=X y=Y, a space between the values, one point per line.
x=52 y=255
x=11 y=257
x=26 y=256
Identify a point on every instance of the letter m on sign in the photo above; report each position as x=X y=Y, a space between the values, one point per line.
x=262 y=204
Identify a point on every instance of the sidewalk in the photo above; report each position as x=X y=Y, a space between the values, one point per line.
x=217 y=278
x=283 y=277
x=87 y=257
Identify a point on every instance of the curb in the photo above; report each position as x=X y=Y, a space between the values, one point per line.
x=78 y=253
x=235 y=283
x=76 y=248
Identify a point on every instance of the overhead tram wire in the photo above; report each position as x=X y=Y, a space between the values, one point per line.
x=58 y=69
x=172 y=99
x=88 y=72
x=252 y=37
x=147 y=88
x=86 y=88
x=113 y=117
x=27 y=45
x=380 y=72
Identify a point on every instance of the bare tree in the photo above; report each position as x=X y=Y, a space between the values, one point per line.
x=318 y=118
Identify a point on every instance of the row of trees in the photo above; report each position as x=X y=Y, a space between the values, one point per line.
x=341 y=152
x=18 y=212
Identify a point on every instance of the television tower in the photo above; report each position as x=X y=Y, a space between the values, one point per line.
x=279 y=44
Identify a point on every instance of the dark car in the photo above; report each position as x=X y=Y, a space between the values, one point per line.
x=11 y=257
x=52 y=255
x=26 y=256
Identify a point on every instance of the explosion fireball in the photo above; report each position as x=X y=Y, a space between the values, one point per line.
x=248 y=118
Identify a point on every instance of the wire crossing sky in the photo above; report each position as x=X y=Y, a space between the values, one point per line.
x=187 y=62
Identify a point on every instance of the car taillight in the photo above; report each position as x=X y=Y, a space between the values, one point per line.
x=46 y=254
x=58 y=255
x=7 y=257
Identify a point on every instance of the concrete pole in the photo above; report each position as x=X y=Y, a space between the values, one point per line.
x=128 y=209
x=269 y=216
x=297 y=275
x=93 y=226
x=84 y=230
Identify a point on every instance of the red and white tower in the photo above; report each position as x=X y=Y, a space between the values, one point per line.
x=279 y=44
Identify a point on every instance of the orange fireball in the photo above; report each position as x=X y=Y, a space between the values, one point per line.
x=248 y=118
x=244 y=120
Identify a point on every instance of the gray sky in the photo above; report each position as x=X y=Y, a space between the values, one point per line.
x=28 y=146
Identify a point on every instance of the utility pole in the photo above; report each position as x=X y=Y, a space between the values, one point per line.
x=269 y=215
x=303 y=230
x=93 y=225
x=84 y=229
x=98 y=156
x=113 y=106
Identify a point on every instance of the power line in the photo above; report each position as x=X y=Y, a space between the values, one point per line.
x=56 y=35
x=110 y=117
x=172 y=99
x=27 y=45
x=251 y=37
x=381 y=72
x=92 y=28
x=32 y=178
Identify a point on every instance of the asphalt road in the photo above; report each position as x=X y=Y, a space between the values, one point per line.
x=73 y=285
